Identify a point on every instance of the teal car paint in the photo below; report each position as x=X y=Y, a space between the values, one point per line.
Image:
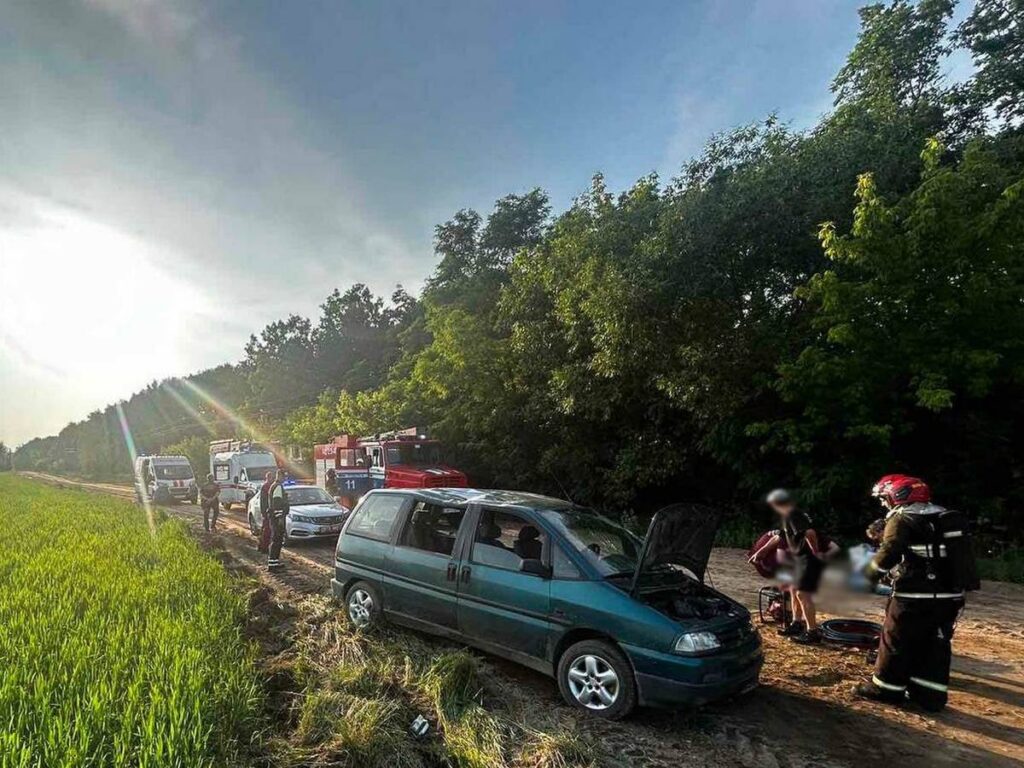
x=617 y=620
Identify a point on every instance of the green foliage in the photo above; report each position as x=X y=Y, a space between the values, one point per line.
x=994 y=34
x=120 y=647
x=1009 y=566
x=197 y=450
x=916 y=334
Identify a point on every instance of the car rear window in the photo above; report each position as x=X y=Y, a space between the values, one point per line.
x=375 y=517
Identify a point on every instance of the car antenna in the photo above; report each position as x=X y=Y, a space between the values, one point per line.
x=562 y=487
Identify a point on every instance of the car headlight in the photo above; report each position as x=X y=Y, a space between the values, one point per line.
x=697 y=642
x=301 y=519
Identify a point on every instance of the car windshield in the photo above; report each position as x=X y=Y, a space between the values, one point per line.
x=415 y=454
x=606 y=545
x=173 y=471
x=299 y=496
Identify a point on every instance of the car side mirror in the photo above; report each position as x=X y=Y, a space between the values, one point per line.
x=535 y=568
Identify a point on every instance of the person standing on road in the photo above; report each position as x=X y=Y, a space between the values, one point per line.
x=926 y=550
x=264 y=541
x=808 y=549
x=278 y=519
x=209 y=495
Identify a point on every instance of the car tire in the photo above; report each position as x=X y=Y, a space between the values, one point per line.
x=252 y=527
x=594 y=676
x=363 y=606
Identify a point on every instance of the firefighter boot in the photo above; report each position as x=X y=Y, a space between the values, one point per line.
x=868 y=690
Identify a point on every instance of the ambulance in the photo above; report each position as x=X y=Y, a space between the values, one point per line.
x=165 y=480
x=239 y=468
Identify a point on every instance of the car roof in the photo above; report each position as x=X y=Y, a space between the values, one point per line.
x=464 y=496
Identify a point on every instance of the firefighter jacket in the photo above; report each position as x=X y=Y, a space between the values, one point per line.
x=927 y=551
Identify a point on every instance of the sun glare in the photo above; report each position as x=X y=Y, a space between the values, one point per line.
x=85 y=301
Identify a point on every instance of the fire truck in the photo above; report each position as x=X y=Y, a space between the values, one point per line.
x=402 y=459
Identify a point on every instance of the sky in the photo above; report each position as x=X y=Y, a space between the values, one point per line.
x=176 y=174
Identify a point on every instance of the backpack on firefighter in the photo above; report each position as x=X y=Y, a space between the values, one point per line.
x=939 y=558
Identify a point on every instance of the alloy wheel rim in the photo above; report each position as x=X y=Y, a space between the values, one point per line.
x=593 y=682
x=360 y=607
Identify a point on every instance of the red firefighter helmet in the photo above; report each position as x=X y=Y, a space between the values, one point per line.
x=895 y=490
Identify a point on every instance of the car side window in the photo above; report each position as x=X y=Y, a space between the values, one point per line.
x=432 y=528
x=375 y=517
x=561 y=566
x=505 y=539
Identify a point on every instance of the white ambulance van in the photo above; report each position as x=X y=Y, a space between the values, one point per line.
x=239 y=468
x=165 y=480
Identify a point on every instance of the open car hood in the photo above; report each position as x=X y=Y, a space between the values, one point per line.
x=679 y=534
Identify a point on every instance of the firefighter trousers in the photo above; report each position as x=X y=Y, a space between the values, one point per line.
x=916 y=649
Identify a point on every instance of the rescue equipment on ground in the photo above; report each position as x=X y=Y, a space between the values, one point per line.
x=857 y=633
x=774 y=606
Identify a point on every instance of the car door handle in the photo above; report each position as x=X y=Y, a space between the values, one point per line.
x=465 y=573
x=452 y=569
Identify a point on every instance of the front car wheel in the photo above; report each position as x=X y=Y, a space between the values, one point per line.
x=595 y=676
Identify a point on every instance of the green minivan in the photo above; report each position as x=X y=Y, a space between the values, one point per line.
x=617 y=620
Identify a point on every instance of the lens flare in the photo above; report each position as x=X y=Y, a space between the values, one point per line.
x=133 y=454
x=242 y=425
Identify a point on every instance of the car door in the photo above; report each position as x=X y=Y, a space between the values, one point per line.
x=499 y=605
x=421 y=569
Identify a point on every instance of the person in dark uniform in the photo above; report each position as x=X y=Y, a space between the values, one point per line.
x=264 y=541
x=209 y=495
x=927 y=552
x=331 y=482
x=278 y=515
x=808 y=549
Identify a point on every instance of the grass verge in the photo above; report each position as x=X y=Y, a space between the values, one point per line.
x=120 y=646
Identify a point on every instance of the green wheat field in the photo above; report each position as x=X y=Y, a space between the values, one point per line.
x=120 y=644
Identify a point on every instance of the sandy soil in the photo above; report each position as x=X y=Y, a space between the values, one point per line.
x=803 y=713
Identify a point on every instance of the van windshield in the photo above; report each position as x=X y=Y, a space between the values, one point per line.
x=258 y=474
x=608 y=546
x=172 y=471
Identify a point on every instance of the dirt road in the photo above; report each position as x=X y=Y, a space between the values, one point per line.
x=802 y=715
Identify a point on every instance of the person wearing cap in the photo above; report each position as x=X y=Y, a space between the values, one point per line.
x=808 y=550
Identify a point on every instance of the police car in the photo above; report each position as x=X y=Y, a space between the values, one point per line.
x=312 y=513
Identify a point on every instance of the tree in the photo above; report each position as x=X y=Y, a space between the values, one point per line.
x=915 y=361
x=994 y=34
x=280 y=366
x=5 y=457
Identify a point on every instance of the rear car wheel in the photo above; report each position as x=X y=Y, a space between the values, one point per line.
x=362 y=605
x=594 y=676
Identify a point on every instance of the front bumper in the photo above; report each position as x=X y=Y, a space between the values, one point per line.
x=313 y=531
x=671 y=680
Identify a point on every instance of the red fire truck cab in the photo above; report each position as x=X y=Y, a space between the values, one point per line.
x=403 y=459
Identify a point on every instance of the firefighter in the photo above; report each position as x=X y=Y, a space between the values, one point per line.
x=209 y=495
x=926 y=551
x=278 y=515
x=331 y=482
